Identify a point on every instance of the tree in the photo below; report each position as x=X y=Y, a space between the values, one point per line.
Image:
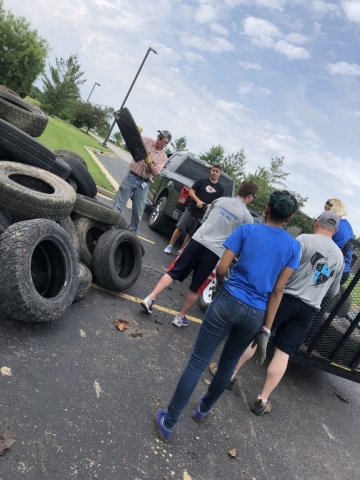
x=90 y=115
x=62 y=88
x=22 y=53
x=118 y=137
x=214 y=156
x=178 y=145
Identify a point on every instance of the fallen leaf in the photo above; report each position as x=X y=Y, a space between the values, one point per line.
x=207 y=381
x=6 y=441
x=121 y=324
x=344 y=399
x=232 y=453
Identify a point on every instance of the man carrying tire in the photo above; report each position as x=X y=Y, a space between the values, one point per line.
x=202 y=194
x=137 y=180
x=320 y=272
x=203 y=251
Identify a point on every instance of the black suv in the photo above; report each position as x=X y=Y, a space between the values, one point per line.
x=169 y=191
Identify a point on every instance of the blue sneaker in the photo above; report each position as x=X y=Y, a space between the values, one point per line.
x=198 y=415
x=180 y=322
x=163 y=433
x=168 y=249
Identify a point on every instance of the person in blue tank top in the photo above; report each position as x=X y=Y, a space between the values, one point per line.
x=244 y=308
x=343 y=235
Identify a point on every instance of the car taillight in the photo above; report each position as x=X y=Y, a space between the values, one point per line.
x=184 y=195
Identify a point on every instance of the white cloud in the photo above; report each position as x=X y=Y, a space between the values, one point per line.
x=273 y=4
x=321 y=7
x=219 y=29
x=291 y=51
x=194 y=57
x=264 y=34
x=343 y=68
x=212 y=44
x=352 y=10
x=250 y=66
x=295 y=37
x=250 y=88
x=205 y=13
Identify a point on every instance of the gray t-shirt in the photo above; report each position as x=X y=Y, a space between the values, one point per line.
x=321 y=266
x=221 y=218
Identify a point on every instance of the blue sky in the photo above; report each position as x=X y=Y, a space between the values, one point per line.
x=276 y=77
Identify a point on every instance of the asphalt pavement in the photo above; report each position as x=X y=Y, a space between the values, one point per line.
x=80 y=397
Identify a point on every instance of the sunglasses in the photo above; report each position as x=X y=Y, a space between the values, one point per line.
x=328 y=203
x=160 y=137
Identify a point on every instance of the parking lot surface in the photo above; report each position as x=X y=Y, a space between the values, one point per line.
x=80 y=397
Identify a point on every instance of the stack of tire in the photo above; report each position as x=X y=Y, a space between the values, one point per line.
x=54 y=235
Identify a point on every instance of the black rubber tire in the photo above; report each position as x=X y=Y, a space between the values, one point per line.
x=122 y=224
x=130 y=134
x=84 y=281
x=91 y=208
x=71 y=182
x=27 y=248
x=158 y=218
x=5 y=222
x=84 y=181
x=89 y=232
x=70 y=154
x=4 y=89
x=24 y=148
x=117 y=260
x=29 y=118
x=31 y=192
x=70 y=229
x=60 y=168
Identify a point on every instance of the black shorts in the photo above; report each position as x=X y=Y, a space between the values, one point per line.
x=188 y=223
x=196 y=258
x=292 y=322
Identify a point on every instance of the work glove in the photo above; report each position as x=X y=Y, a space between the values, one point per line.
x=261 y=340
x=148 y=159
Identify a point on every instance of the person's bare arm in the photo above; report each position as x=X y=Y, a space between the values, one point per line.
x=224 y=264
x=192 y=195
x=276 y=296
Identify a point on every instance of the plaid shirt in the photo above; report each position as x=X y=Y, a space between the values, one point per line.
x=158 y=159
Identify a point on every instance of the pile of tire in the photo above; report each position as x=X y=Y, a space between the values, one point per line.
x=55 y=236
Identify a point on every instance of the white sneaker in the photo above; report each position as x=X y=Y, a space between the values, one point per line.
x=147 y=304
x=168 y=249
x=180 y=322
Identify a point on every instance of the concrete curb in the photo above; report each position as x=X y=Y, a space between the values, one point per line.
x=106 y=193
x=107 y=174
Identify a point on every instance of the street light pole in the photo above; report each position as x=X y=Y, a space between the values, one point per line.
x=92 y=90
x=128 y=93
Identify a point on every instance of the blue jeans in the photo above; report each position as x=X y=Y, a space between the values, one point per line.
x=226 y=315
x=132 y=185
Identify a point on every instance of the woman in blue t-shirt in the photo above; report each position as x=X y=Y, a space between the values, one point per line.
x=343 y=235
x=244 y=307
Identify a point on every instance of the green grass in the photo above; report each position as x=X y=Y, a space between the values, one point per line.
x=61 y=135
x=355 y=294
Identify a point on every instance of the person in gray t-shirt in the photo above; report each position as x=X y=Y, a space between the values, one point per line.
x=204 y=250
x=320 y=272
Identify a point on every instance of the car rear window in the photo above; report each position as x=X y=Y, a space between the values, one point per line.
x=195 y=170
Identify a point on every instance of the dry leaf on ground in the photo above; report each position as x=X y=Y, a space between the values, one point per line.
x=344 y=399
x=232 y=453
x=121 y=324
x=6 y=441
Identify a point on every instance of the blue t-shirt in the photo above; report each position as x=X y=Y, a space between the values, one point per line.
x=344 y=233
x=265 y=251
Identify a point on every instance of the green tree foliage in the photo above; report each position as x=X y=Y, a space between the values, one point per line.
x=22 y=53
x=178 y=145
x=90 y=115
x=233 y=164
x=61 y=88
x=118 y=137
